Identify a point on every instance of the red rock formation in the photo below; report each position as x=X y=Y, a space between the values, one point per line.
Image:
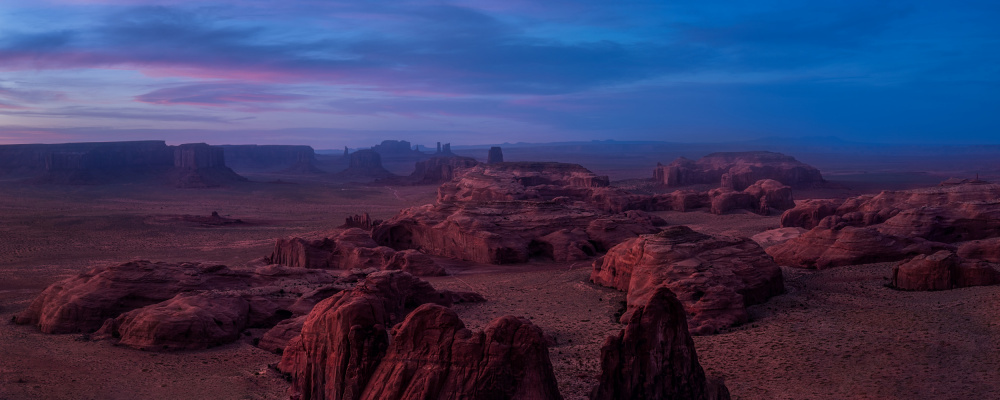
x=834 y=243
x=350 y=249
x=363 y=221
x=808 y=213
x=714 y=277
x=345 y=336
x=82 y=303
x=777 y=236
x=738 y=171
x=433 y=356
x=890 y=226
x=942 y=271
x=185 y=322
x=509 y=212
x=985 y=249
x=654 y=356
x=437 y=170
x=509 y=232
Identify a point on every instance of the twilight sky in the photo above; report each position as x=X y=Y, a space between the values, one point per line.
x=332 y=73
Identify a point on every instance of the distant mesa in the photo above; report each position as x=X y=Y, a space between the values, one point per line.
x=398 y=149
x=738 y=170
x=364 y=165
x=188 y=165
x=444 y=150
x=292 y=160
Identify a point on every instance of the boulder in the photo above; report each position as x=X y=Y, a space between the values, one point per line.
x=654 y=356
x=715 y=278
x=185 y=322
x=808 y=213
x=433 y=356
x=82 y=303
x=352 y=248
x=942 y=270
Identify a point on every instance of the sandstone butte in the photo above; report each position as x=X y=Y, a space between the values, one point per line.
x=715 y=278
x=352 y=248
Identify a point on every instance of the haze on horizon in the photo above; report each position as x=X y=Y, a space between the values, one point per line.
x=333 y=73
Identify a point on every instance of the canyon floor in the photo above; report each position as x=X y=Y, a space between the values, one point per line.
x=837 y=334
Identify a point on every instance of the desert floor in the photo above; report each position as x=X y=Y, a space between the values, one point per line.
x=836 y=334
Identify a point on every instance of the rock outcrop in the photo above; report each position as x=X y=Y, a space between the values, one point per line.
x=890 y=226
x=345 y=337
x=510 y=212
x=82 y=303
x=432 y=356
x=185 y=322
x=350 y=249
x=271 y=158
x=985 y=249
x=761 y=197
x=834 y=244
x=737 y=171
x=715 y=278
x=495 y=155
x=654 y=356
x=942 y=271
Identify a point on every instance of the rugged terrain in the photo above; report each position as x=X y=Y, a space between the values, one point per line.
x=836 y=333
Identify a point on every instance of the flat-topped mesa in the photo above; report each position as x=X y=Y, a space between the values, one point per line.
x=738 y=170
x=495 y=155
x=270 y=158
x=33 y=159
x=521 y=181
x=198 y=155
x=397 y=149
x=364 y=164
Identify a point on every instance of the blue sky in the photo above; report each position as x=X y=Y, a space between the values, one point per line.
x=329 y=73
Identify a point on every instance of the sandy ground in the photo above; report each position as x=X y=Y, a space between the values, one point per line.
x=836 y=334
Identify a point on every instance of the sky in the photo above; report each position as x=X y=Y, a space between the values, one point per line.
x=332 y=73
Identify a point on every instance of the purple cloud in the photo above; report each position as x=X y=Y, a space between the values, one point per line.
x=217 y=95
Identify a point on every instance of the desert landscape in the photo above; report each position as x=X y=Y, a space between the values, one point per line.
x=499 y=200
x=785 y=282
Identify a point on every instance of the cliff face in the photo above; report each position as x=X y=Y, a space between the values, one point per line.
x=35 y=159
x=269 y=158
x=188 y=165
x=198 y=165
